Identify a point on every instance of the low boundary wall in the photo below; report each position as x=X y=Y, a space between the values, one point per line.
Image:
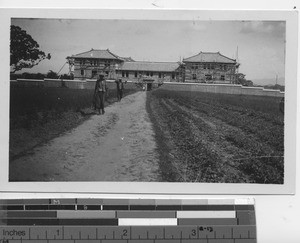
x=223 y=89
x=28 y=82
x=212 y=88
x=57 y=83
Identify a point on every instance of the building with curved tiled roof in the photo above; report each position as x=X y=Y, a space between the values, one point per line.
x=210 y=67
x=203 y=67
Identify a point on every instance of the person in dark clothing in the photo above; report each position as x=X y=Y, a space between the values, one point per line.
x=281 y=105
x=120 y=88
x=99 y=94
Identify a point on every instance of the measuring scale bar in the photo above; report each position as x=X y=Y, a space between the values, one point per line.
x=205 y=233
x=127 y=221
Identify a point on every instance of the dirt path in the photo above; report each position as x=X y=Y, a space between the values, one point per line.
x=117 y=146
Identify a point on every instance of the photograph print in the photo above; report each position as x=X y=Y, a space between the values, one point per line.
x=147 y=100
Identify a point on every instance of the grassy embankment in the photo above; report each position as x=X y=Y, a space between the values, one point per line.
x=39 y=114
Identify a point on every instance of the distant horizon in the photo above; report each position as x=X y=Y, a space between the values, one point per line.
x=258 y=45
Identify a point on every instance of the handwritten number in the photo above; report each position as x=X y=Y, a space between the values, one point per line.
x=209 y=229
x=125 y=232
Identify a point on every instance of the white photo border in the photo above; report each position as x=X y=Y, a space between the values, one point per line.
x=174 y=188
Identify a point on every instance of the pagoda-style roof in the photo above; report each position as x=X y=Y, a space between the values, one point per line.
x=209 y=57
x=98 y=54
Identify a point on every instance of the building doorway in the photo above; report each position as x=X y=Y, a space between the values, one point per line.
x=148 y=84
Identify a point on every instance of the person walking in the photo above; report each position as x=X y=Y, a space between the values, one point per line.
x=120 y=88
x=99 y=94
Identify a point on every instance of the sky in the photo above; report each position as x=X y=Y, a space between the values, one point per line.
x=260 y=44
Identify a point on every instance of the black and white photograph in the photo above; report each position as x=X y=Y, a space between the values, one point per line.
x=165 y=99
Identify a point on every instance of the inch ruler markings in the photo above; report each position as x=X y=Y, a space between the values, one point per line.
x=127 y=221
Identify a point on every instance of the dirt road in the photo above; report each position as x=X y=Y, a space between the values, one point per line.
x=117 y=146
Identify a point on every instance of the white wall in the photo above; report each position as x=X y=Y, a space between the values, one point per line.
x=222 y=89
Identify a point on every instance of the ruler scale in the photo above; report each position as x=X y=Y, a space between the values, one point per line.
x=127 y=221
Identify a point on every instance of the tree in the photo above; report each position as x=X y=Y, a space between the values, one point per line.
x=52 y=74
x=241 y=78
x=66 y=76
x=24 y=50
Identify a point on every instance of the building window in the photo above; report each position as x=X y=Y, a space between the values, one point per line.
x=204 y=66
x=127 y=74
x=82 y=72
x=82 y=62
x=159 y=75
x=151 y=74
x=173 y=75
x=94 y=73
x=106 y=64
x=222 y=77
x=225 y=67
x=194 y=76
x=208 y=77
x=135 y=74
x=212 y=66
x=123 y=74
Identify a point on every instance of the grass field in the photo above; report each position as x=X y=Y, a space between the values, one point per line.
x=39 y=114
x=207 y=137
